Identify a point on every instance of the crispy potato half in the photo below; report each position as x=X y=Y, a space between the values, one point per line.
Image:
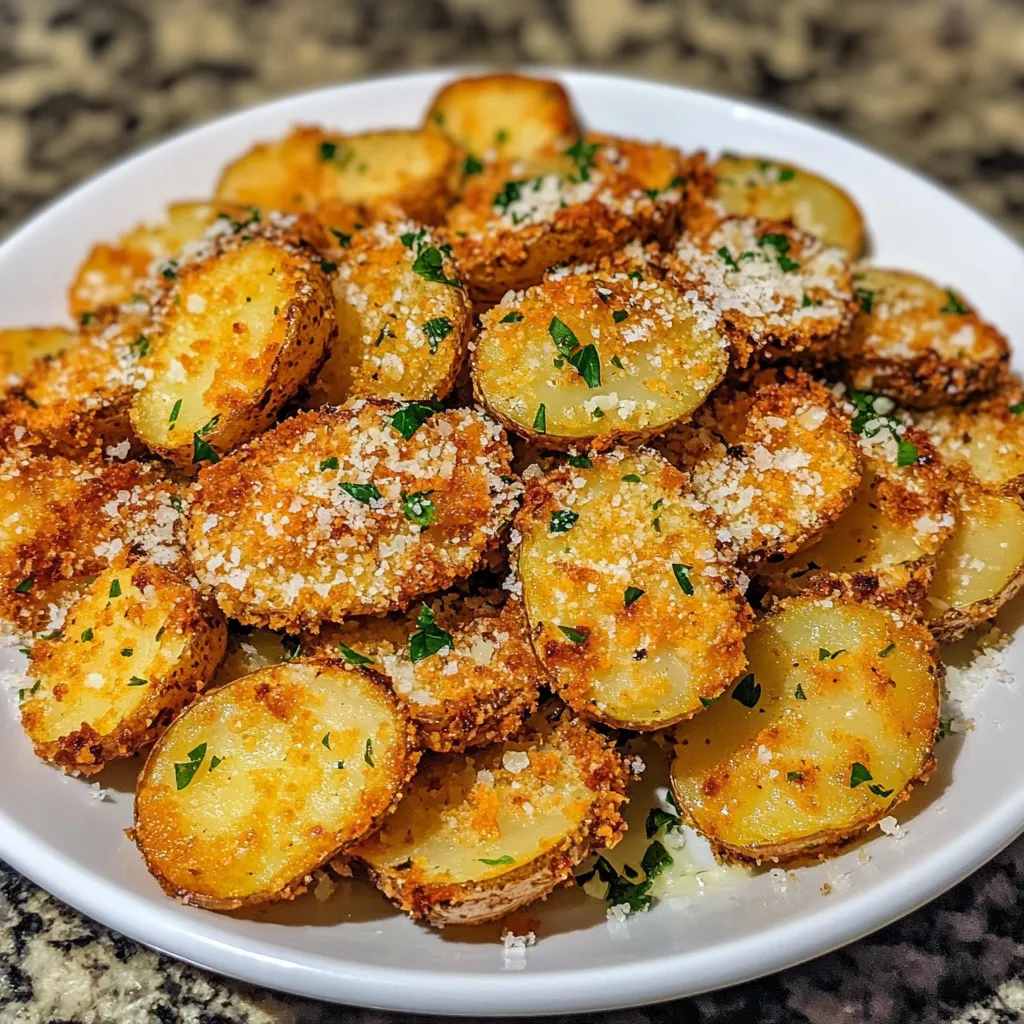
x=262 y=781
x=404 y=319
x=517 y=218
x=136 y=647
x=245 y=324
x=597 y=355
x=984 y=438
x=350 y=511
x=775 y=290
x=634 y=610
x=61 y=522
x=115 y=274
x=414 y=172
x=887 y=541
x=754 y=187
x=980 y=567
x=777 y=462
x=504 y=116
x=463 y=667
x=832 y=725
x=21 y=348
x=920 y=344
x=478 y=836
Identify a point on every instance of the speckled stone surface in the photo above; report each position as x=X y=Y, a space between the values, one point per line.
x=936 y=83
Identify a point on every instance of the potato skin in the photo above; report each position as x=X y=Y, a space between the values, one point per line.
x=193 y=634
x=574 y=781
x=338 y=555
x=267 y=841
x=782 y=784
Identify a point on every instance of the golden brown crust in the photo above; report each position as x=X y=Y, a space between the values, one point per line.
x=22 y=348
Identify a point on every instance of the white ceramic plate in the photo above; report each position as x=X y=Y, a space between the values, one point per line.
x=355 y=948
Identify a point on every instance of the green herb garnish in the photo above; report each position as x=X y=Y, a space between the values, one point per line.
x=363 y=493
x=429 y=638
x=747 y=692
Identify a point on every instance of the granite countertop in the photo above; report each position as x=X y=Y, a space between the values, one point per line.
x=937 y=83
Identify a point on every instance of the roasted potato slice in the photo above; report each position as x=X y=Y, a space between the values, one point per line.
x=754 y=187
x=414 y=172
x=920 y=344
x=504 y=116
x=478 y=836
x=136 y=647
x=463 y=667
x=776 y=291
x=984 y=438
x=597 y=355
x=61 y=522
x=114 y=275
x=246 y=323
x=403 y=317
x=981 y=566
x=776 y=461
x=352 y=510
x=21 y=348
x=517 y=218
x=635 y=611
x=886 y=542
x=832 y=725
x=262 y=781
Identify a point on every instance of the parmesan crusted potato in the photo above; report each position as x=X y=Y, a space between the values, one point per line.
x=984 y=438
x=832 y=725
x=346 y=511
x=113 y=275
x=920 y=344
x=887 y=541
x=776 y=291
x=245 y=324
x=981 y=566
x=478 y=836
x=264 y=780
x=504 y=116
x=464 y=668
x=517 y=218
x=754 y=187
x=776 y=461
x=62 y=522
x=403 y=317
x=21 y=348
x=635 y=611
x=597 y=355
x=414 y=172
x=135 y=649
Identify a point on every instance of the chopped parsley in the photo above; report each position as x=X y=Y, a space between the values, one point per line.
x=23 y=693
x=214 y=761
x=706 y=702
x=115 y=589
x=412 y=416
x=326 y=266
x=429 y=264
x=881 y=791
x=87 y=635
x=436 y=330
x=511 y=318
x=953 y=305
x=631 y=478
x=292 y=647
x=140 y=346
x=617 y=362
x=574 y=635
x=127 y=652
x=632 y=594
x=137 y=681
x=353 y=657
x=747 y=692
x=344 y=240
x=622 y=888
x=363 y=493
x=419 y=509
x=799 y=694
x=326 y=741
x=824 y=654
x=682 y=578
x=582 y=155
x=780 y=243
x=87 y=318
x=562 y=521
x=170 y=271
x=57 y=634
x=511 y=191
x=1017 y=408
x=173 y=418
x=906 y=453
x=429 y=638
x=329 y=463
x=201 y=449
x=506 y=859
x=726 y=257
x=471 y=165
x=786 y=174
x=619 y=315
x=184 y=771
x=794 y=777
x=658 y=819
x=585 y=360
x=368 y=752
x=580 y=462
x=870 y=423
x=540 y=421
x=867 y=299
x=25 y=585
x=858 y=774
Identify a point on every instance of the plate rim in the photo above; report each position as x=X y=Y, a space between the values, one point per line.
x=605 y=987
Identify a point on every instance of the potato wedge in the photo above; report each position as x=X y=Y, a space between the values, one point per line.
x=597 y=355
x=777 y=463
x=980 y=567
x=403 y=318
x=886 y=543
x=504 y=116
x=412 y=172
x=920 y=344
x=984 y=438
x=464 y=669
x=246 y=323
x=61 y=522
x=832 y=725
x=264 y=780
x=754 y=187
x=346 y=511
x=635 y=611
x=776 y=291
x=517 y=218
x=21 y=348
x=136 y=648
x=478 y=836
